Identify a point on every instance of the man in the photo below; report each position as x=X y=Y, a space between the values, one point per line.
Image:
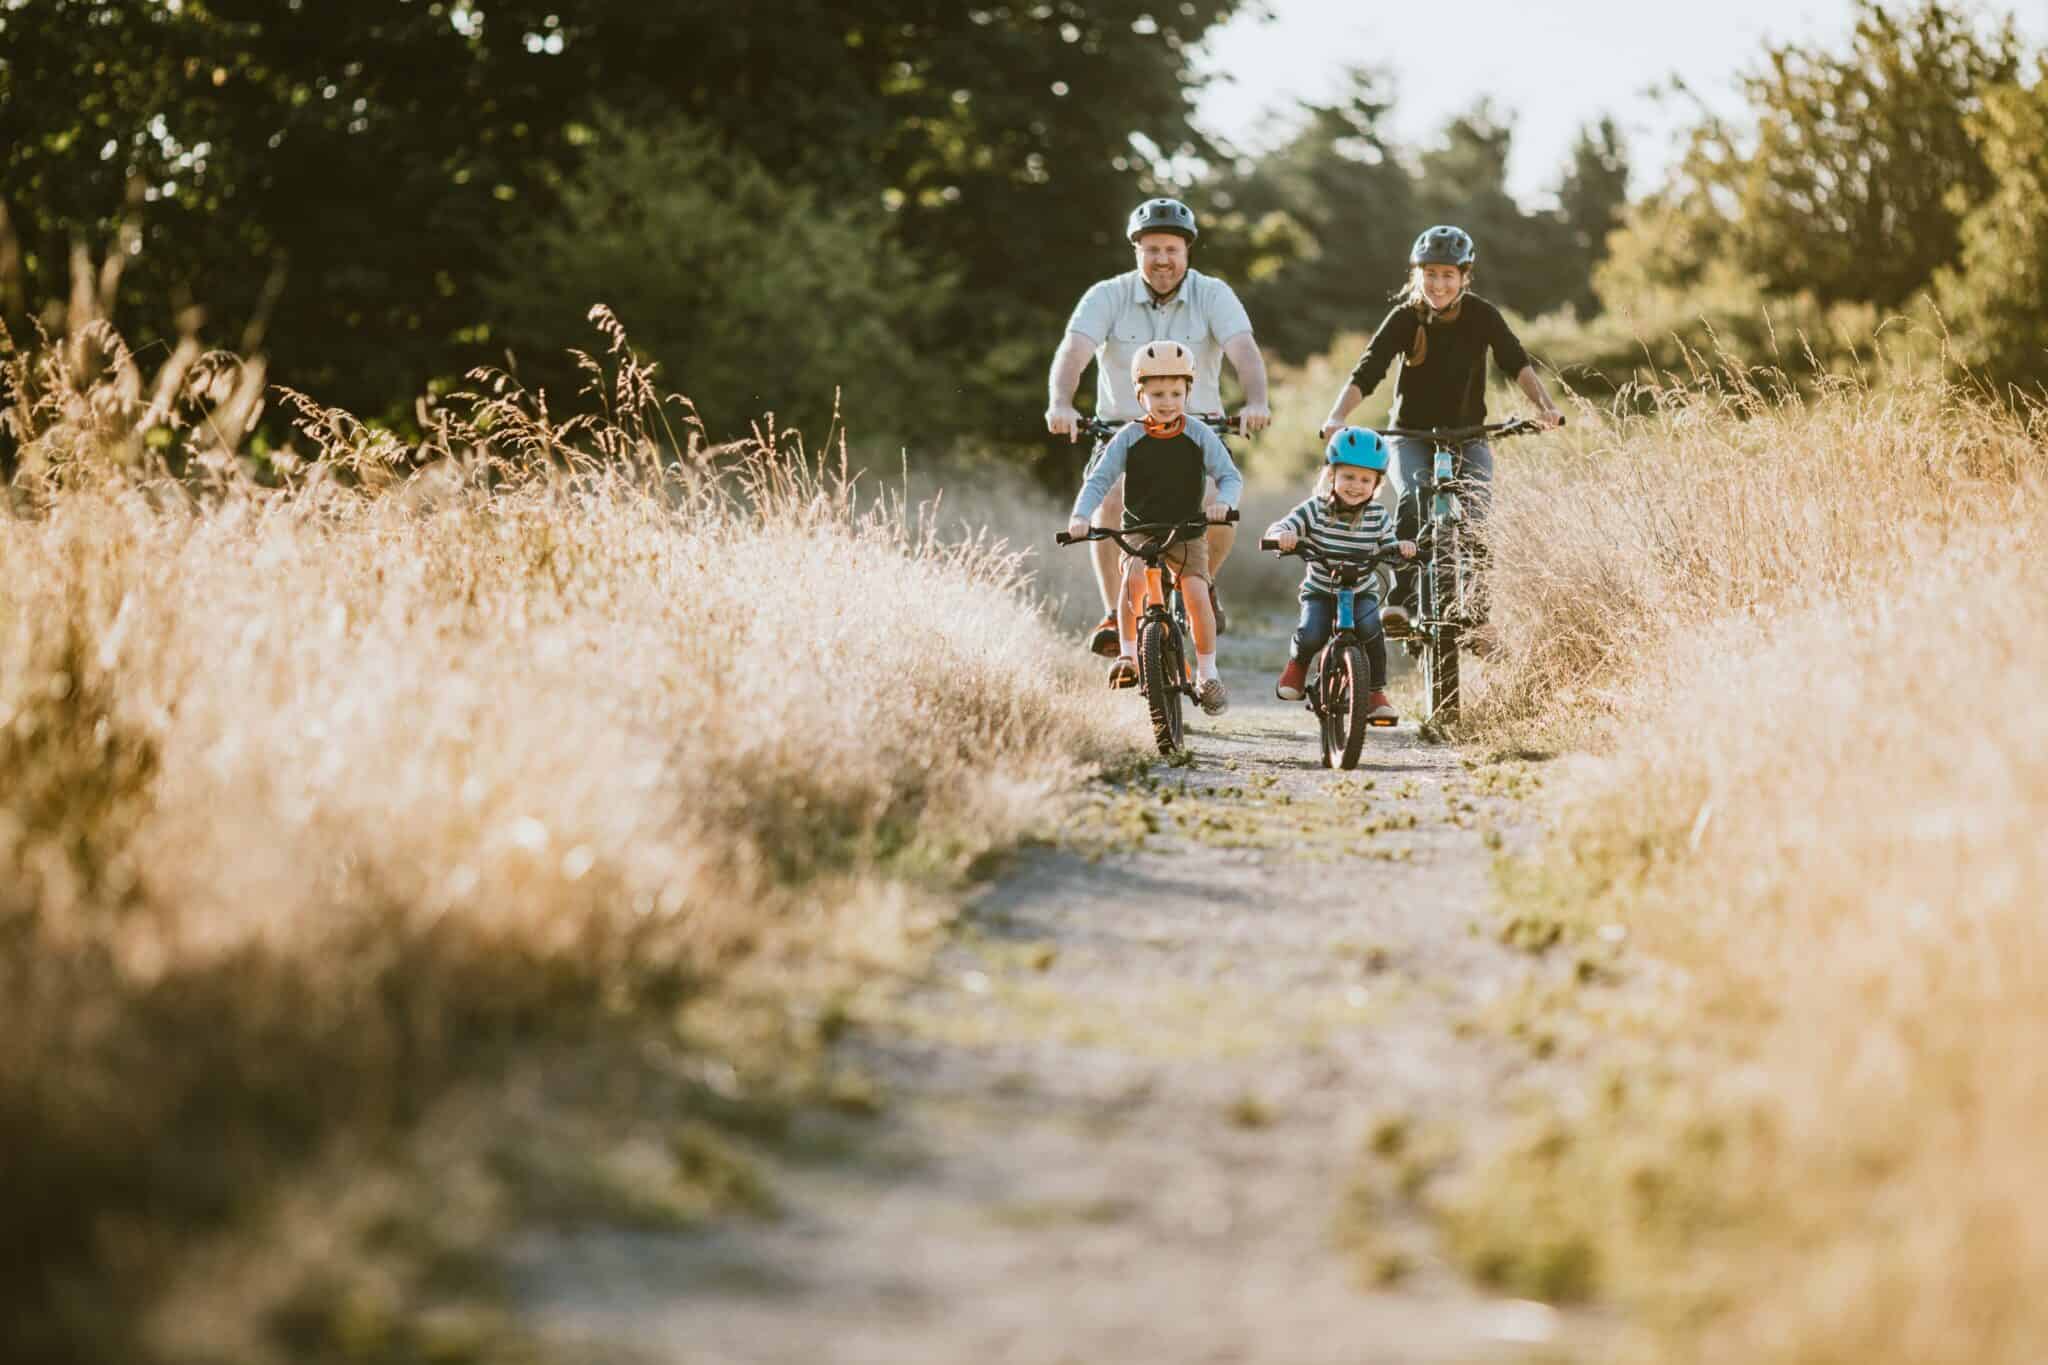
x=1162 y=300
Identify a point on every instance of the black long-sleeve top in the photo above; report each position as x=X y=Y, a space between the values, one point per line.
x=1442 y=382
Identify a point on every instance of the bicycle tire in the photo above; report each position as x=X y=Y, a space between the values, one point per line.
x=1158 y=675
x=1346 y=691
x=1441 y=600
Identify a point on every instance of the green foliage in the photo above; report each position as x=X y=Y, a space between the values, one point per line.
x=752 y=292
x=1848 y=185
x=1316 y=234
x=1593 y=198
x=329 y=181
x=1997 y=298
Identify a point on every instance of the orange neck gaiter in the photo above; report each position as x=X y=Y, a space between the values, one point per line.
x=1166 y=431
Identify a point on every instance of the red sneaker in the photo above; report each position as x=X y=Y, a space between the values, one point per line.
x=1103 y=642
x=1289 y=688
x=1380 y=711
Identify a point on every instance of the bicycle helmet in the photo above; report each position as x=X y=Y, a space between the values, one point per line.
x=1357 y=446
x=1162 y=360
x=1161 y=215
x=1444 y=245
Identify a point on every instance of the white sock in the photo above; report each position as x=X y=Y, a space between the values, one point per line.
x=1205 y=666
x=1127 y=649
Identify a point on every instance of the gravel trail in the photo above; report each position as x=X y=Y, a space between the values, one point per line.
x=1178 y=1089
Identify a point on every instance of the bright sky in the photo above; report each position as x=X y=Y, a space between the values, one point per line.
x=1551 y=65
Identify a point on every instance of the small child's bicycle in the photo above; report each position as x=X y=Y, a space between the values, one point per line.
x=1339 y=685
x=1447 y=559
x=1166 y=672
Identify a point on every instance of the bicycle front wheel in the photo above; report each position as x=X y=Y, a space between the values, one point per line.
x=1440 y=588
x=1345 y=693
x=1159 y=670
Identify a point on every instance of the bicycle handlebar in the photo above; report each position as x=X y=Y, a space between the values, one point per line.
x=1303 y=550
x=1102 y=428
x=1196 y=525
x=1514 y=426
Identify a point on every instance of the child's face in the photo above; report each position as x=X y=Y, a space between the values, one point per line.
x=1163 y=398
x=1353 y=486
x=1441 y=284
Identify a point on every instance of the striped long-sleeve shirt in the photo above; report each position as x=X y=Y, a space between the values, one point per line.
x=1358 y=533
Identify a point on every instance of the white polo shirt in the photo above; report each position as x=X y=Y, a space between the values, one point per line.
x=1118 y=315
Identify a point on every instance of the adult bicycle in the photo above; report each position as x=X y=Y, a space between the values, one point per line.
x=1448 y=557
x=1166 y=672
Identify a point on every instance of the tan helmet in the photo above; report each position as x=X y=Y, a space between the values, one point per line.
x=1162 y=360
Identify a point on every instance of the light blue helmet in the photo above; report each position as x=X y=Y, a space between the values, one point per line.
x=1357 y=445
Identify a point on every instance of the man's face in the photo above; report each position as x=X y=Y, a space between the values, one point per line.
x=1441 y=285
x=1163 y=398
x=1163 y=257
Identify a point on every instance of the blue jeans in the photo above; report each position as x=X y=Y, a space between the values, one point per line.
x=1413 y=460
x=1319 y=622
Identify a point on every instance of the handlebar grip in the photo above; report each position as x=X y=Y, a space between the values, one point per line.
x=1231 y=519
x=1269 y=544
x=1062 y=538
x=1560 y=419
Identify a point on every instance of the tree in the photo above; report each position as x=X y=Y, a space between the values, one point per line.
x=753 y=293
x=344 y=170
x=1997 y=296
x=1314 y=234
x=1593 y=198
x=1844 y=187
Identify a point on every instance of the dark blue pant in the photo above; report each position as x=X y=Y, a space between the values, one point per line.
x=1319 y=622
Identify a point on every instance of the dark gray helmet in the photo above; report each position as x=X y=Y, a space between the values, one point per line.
x=1161 y=215
x=1443 y=245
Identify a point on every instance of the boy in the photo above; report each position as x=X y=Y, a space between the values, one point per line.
x=1163 y=460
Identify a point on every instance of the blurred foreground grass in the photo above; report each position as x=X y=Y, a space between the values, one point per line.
x=434 y=837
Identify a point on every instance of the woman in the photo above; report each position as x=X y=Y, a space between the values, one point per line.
x=1441 y=332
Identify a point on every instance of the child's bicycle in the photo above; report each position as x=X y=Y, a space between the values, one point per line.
x=1100 y=430
x=1446 y=574
x=1338 y=687
x=1166 y=672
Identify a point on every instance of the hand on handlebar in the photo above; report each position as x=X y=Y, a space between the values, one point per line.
x=1331 y=428
x=1282 y=542
x=1407 y=549
x=1254 y=417
x=1217 y=512
x=1063 y=419
x=1550 y=420
x=1077 y=528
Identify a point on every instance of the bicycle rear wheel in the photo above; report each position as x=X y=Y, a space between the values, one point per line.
x=1159 y=674
x=1344 y=696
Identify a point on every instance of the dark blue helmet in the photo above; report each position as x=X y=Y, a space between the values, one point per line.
x=1444 y=245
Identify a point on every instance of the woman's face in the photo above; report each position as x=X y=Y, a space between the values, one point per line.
x=1441 y=284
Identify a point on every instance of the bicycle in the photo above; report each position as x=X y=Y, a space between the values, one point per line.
x=1100 y=430
x=1446 y=574
x=1338 y=690
x=1165 y=667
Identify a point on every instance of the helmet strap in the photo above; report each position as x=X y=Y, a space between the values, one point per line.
x=1165 y=431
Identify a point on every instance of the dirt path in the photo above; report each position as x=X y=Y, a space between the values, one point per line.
x=1172 y=1094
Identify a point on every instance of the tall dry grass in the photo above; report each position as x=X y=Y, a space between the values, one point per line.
x=1808 y=634
x=334 y=782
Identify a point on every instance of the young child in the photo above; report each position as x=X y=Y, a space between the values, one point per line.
x=1163 y=461
x=1342 y=517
